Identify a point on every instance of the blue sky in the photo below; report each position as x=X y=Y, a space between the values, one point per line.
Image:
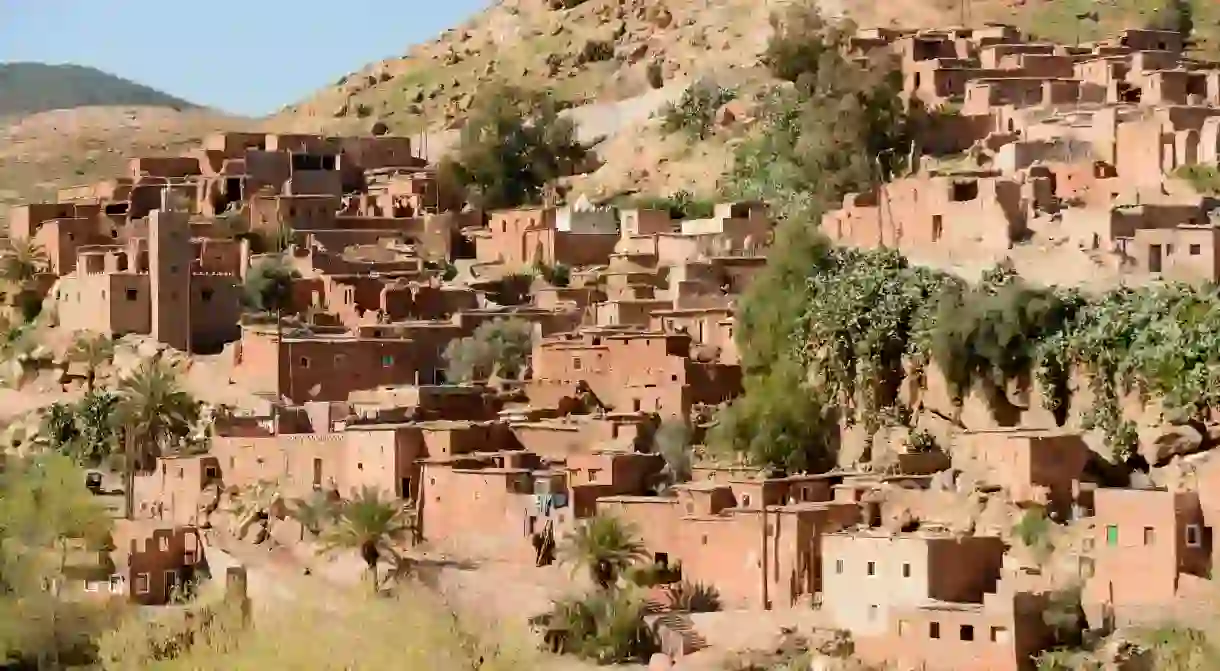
x=246 y=57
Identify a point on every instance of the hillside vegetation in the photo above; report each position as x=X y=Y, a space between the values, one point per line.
x=29 y=88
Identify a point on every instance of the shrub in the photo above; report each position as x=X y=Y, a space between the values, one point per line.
x=655 y=74
x=691 y=597
x=695 y=111
x=681 y=204
x=605 y=626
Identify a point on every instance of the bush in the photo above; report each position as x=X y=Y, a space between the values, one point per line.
x=695 y=111
x=680 y=205
x=605 y=626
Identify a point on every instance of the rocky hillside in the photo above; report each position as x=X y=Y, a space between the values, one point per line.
x=29 y=88
x=589 y=51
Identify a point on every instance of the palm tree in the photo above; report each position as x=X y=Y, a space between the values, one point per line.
x=155 y=413
x=371 y=525
x=605 y=546
x=22 y=262
x=314 y=512
x=91 y=350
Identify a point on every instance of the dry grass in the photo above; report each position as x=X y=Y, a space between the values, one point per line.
x=413 y=630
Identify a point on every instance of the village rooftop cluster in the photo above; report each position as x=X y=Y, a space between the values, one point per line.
x=1072 y=139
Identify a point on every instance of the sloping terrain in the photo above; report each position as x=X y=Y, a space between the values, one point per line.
x=617 y=60
x=46 y=151
x=29 y=88
x=604 y=50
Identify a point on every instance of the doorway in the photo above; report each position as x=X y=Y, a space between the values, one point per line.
x=1154 y=258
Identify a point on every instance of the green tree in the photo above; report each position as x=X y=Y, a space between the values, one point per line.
x=842 y=127
x=91 y=350
x=501 y=345
x=605 y=547
x=50 y=528
x=156 y=414
x=370 y=525
x=268 y=288
x=514 y=143
x=780 y=423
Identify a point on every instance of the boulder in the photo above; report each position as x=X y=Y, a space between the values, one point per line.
x=1160 y=443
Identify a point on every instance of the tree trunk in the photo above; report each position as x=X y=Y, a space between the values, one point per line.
x=280 y=354
x=90 y=379
x=370 y=555
x=129 y=468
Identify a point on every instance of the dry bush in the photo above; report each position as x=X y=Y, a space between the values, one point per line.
x=414 y=630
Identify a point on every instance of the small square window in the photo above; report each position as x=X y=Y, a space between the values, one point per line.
x=206 y=295
x=116 y=584
x=902 y=627
x=906 y=570
x=1195 y=250
x=143 y=583
x=91 y=586
x=131 y=294
x=576 y=363
x=1149 y=536
x=967 y=632
x=1192 y=536
x=872 y=568
x=839 y=566
x=933 y=630
x=304 y=361
x=387 y=361
x=999 y=634
x=1086 y=544
x=1086 y=568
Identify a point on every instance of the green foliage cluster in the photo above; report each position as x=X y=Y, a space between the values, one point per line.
x=1203 y=177
x=680 y=205
x=501 y=346
x=840 y=127
x=268 y=285
x=695 y=112
x=606 y=625
x=864 y=312
x=513 y=145
x=558 y=275
x=86 y=430
x=29 y=88
x=51 y=531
